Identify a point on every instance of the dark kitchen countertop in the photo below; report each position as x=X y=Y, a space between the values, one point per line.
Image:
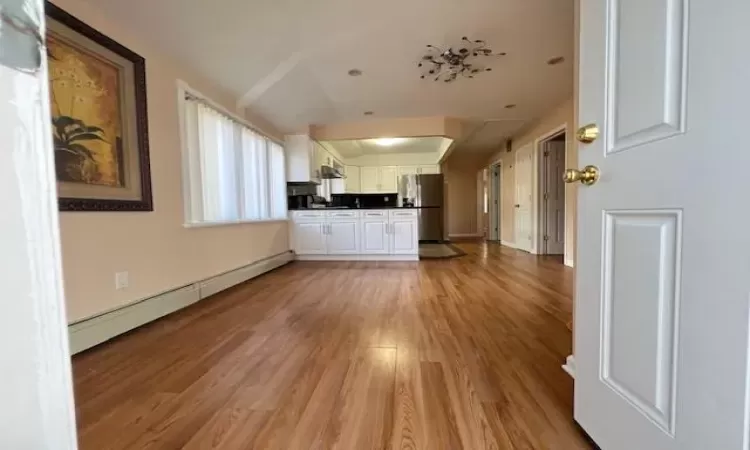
x=338 y=208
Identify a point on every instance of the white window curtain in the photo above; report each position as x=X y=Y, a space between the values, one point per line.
x=277 y=180
x=235 y=174
x=254 y=150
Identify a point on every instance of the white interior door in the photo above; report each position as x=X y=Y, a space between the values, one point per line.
x=661 y=337
x=554 y=198
x=523 y=173
x=36 y=410
x=494 y=203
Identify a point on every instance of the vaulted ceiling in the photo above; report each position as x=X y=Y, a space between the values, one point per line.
x=287 y=60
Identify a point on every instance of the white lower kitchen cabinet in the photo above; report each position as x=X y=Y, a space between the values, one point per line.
x=375 y=233
x=309 y=238
x=343 y=237
x=346 y=235
x=404 y=232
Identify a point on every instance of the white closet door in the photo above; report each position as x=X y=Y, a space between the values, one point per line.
x=523 y=205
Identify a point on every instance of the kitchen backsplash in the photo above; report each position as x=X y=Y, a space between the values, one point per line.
x=365 y=200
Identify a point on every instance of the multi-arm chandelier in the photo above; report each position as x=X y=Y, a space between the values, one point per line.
x=447 y=65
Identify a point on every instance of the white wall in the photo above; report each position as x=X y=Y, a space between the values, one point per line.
x=396 y=159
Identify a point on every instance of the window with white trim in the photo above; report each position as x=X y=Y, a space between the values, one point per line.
x=233 y=173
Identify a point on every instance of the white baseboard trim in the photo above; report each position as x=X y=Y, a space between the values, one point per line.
x=570 y=366
x=508 y=244
x=569 y=262
x=358 y=257
x=467 y=235
x=90 y=332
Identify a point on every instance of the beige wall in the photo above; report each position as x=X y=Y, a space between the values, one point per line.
x=153 y=247
x=461 y=172
x=563 y=114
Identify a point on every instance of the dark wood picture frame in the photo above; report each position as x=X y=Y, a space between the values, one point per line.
x=145 y=203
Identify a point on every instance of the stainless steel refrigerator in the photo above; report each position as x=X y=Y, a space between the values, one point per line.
x=424 y=192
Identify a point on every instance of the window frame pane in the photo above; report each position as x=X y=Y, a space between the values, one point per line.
x=253 y=180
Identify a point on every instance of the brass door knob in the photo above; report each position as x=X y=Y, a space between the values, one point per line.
x=588 y=133
x=588 y=176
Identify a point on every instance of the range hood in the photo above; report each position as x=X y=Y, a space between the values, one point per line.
x=330 y=173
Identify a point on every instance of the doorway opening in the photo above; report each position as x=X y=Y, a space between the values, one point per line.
x=552 y=152
x=494 y=209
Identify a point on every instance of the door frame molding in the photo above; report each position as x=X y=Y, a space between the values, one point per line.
x=38 y=404
x=537 y=207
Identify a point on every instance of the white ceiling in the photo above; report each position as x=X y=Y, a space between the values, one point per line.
x=361 y=147
x=288 y=59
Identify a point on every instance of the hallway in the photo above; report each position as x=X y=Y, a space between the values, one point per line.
x=441 y=354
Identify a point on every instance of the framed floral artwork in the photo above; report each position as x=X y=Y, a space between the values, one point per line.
x=99 y=118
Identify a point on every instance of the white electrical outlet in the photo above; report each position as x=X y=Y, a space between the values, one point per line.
x=122 y=280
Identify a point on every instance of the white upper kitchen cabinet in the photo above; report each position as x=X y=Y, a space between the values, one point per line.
x=403 y=232
x=301 y=159
x=370 y=179
x=352 y=182
x=408 y=170
x=428 y=170
x=379 y=179
x=388 y=179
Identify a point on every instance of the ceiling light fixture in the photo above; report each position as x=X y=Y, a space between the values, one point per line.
x=447 y=65
x=354 y=72
x=369 y=113
x=511 y=106
x=556 y=60
x=388 y=142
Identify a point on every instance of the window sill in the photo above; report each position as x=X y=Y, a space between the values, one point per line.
x=232 y=223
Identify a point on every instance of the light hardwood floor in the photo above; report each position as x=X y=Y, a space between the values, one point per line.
x=442 y=354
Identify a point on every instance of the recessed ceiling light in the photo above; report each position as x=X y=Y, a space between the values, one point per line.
x=355 y=73
x=388 y=142
x=556 y=60
x=369 y=113
x=511 y=106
